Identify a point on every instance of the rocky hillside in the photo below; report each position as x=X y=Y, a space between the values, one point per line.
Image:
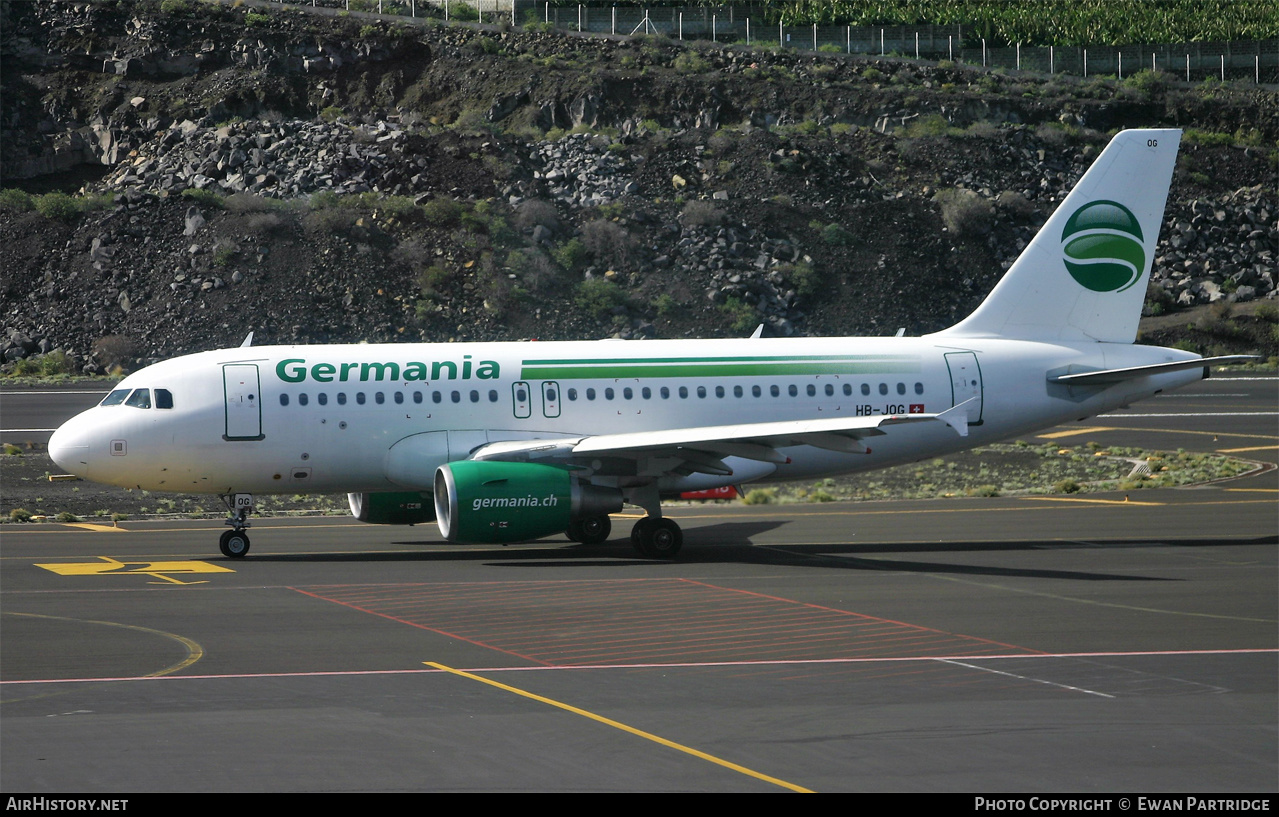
x=324 y=178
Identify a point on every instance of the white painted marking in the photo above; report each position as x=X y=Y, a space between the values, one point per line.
x=1125 y=415
x=1026 y=678
x=677 y=665
x=21 y=393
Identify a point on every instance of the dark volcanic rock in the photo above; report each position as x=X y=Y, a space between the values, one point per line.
x=315 y=178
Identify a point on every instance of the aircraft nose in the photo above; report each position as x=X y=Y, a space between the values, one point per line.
x=69 y=446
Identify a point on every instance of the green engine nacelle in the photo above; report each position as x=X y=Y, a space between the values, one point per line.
x=486 y=502
x=392 y=507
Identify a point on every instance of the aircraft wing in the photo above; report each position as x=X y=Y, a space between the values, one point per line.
x=701 y=449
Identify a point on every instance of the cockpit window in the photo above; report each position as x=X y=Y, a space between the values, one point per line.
x=163 y=399
x=141 y=398
x=115 y=398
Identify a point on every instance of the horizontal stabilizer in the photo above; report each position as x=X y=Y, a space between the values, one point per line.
x=1107 y=376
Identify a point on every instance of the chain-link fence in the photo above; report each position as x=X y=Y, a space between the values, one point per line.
x=740 y=24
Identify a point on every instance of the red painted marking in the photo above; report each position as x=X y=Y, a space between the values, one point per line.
x=660 y=621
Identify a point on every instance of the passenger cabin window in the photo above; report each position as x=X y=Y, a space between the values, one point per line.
x=141 y=398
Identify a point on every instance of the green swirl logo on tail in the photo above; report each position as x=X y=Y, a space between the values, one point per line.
x=1102 y=244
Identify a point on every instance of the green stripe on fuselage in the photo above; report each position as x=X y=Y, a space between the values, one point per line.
x=615 y=368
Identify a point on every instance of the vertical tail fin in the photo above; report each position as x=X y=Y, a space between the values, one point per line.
x=1084 y=275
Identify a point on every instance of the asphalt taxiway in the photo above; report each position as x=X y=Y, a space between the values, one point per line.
x=1084 y=643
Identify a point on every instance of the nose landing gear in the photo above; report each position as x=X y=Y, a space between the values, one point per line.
x=234 y=543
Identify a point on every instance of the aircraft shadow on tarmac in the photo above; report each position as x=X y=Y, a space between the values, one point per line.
x=732 y=542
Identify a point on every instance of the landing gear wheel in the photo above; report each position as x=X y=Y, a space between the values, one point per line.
x=591 y=530
x=234 y=544
x=657 y=538
x=637 y=535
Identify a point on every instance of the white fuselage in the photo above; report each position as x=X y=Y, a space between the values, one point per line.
x=327 y=419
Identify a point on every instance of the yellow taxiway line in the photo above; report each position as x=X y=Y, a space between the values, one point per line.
x=617 y=725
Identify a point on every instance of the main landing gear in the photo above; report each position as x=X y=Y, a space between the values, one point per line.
x=590 y=531
x=234 y=543
x=657 y=538
x=653 y=537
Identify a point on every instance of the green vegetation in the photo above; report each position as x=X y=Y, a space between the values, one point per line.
x=462 y=12
x=933 y=124
x=742 y=317
x=598 y=297
x=57 y=206
x=17 y=200
x=1053 y=22
x=55 y=364
x=836 y=235
x=690 y=62
x=205 y=197
x=802 y=277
